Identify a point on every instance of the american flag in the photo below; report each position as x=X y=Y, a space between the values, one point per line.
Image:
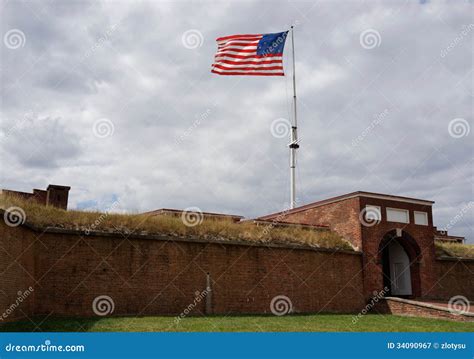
x=258 y=55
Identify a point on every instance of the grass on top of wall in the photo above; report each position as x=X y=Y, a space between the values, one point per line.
x=47 y=216
x=454 y=249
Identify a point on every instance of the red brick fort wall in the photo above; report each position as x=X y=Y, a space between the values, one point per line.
x=152 y=276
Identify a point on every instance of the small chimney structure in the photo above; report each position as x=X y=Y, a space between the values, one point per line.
x=54 y=195
x=57 y=196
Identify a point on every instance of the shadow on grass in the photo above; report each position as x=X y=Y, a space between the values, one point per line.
x=50 y=324
x=86 y=324
x=334 y=322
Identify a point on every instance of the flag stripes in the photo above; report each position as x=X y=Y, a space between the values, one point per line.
x=248 y=55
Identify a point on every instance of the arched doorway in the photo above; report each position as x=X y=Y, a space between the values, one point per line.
x=399 y=256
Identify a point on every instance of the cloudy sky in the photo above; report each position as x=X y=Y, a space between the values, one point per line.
x=116 y=99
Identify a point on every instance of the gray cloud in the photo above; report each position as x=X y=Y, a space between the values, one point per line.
x=183 y=137
x=41 y=143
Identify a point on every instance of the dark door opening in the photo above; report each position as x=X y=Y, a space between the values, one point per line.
x=399 y=257
x=396 y=269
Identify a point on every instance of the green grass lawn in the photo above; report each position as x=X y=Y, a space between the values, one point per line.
x=291 y=323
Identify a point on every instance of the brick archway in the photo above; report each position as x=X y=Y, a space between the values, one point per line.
x=413 y=251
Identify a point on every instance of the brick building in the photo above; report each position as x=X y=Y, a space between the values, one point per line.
x=54 y=195
x=395 y=235
x=154 y=274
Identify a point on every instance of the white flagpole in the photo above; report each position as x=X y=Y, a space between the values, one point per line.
x=294 y=135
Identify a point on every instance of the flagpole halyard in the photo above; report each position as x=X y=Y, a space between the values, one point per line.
x=294 y=134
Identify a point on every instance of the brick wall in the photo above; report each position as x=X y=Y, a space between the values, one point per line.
x=453 y=277
x=16 y=273
x=22 y=195
x=342 y=217
x=40 y=195
x=405 y=308
x=151 y=275
x=55 y=195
